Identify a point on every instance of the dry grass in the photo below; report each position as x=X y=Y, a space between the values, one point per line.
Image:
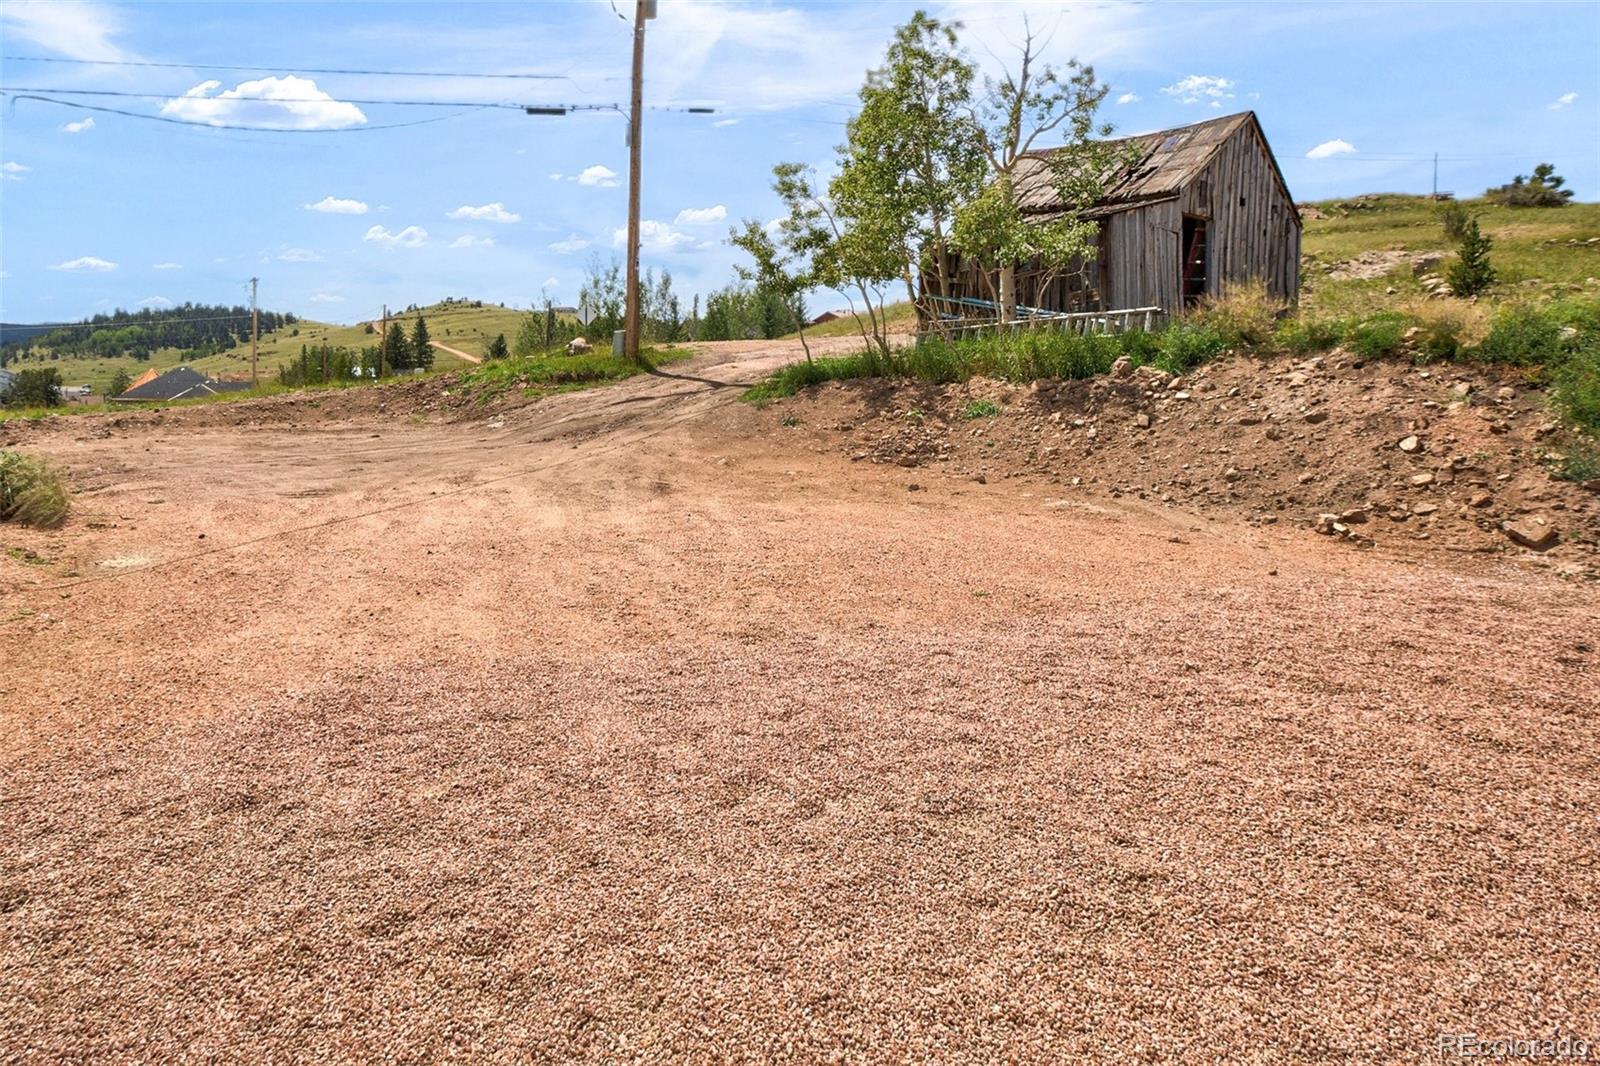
x=31 y=492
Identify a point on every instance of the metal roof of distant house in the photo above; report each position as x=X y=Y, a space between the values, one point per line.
x=179 y=383
x=1166 y=162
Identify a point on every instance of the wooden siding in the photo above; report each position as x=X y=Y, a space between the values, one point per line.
x=1254 y=228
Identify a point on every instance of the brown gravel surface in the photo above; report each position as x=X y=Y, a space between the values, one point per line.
x=633 y=724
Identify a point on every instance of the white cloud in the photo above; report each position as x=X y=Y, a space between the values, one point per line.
x=299 y=255
x=1564 y=100
x=410 y=237
x=326 y=298
x=13 y=171
x=598 y=176
x=286 y=103
x=551 y=282
x=573 y=243
x=332 y=205
x=723 y=123
x=660 y=237
x=78 y=30
x=467 y=240
x=86 y=262
x=159 y=303
x=495 y=212
x=167 y=266
x=701 y=216
x=557 y=176
x=78 y=127
x=1329 y=149
x=1129 y=98
x=1197 y=88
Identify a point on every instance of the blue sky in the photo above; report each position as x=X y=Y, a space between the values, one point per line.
x=498 y=205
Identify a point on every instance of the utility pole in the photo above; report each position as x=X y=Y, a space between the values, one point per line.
x=643 y=9
x=1436 y=175
x=383 y=340
x=255 y=320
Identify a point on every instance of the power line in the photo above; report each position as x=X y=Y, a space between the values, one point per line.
x=293 y=70
x=128 y=320
x=466 y=108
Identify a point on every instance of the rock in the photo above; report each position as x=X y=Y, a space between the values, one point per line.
x=1424 y=509
x=1324 y=523
x=1426 y=263
x=1316 y=417
x=1180 y=396
x=1355 y=516
x=1297 y=380
x=1505 y=392
x=1532 y=533
x=1231 y=475
x=1481 y=499
x=1462 y=388
x=1411 y=444
x=1421 y=480
x=1142 y=420
x=1122 y=368
x=577 y=346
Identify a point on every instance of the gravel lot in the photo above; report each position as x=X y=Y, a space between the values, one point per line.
x=634 y=725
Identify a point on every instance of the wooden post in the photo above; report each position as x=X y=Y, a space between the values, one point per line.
x=383 y=341
x=630 y=334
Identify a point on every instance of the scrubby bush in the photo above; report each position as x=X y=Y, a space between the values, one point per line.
x=1577 y=388
x=1378 y=336
x=1522 y=336
x=1303 y=336
x=36 y=387
x=1185 y=346
x=1542 y=189
x=31 y=492
x=1244 y=314
x=1454 y=218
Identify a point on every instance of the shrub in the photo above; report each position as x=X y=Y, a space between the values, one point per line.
x=31 y=492
x=1454 y=218
x=1522 y=336
x=1244 y=314
x=980 y=409
x=1577 y=388
x=1302 y=336
x=38 y=387
x=1442 y=337
x=1472 y=272
x=1184 y=346
x=497 y=348
x=1543 y=189
x=120 y=382
x=1380 y=335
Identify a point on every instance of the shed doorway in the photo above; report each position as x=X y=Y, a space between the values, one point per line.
x=1192 y=260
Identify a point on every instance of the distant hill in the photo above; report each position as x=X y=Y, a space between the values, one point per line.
x=12 y=332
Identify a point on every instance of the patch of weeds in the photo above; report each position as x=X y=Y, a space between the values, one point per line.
x=980 y=409
x=1522 y=336
x=1306 y=336
x=789 y=421
x=1379 y=336
x=27 y=556
x=31 y=492
x=557 y=372
x=1581 y=463
x=915 y=415
x=1577 y=388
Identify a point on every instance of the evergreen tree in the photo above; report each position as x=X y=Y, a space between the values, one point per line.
x=497 y=348
x=396 y=352
x=421 y=350
x=1472 y=272
x=119 y=383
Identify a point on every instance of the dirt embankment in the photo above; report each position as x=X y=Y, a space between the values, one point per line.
x=1379 y=453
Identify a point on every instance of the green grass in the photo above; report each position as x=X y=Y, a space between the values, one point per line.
x=851 y=325
x=559 y=373
x=1527 y=265
x=31 y=492
x=1021 y=357
x=980 y=409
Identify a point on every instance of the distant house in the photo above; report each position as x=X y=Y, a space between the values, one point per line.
x=828 y=316
x=1199 y=208
x=179 y=383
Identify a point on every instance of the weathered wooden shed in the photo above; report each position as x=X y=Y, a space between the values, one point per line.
x=1201 y=207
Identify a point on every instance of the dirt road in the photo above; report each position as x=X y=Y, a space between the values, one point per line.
x=637 y=724
x=457 y=352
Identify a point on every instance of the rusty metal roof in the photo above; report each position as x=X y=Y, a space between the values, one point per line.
x=1167 y=161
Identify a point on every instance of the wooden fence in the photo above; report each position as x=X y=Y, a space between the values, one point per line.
x=969 y=317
